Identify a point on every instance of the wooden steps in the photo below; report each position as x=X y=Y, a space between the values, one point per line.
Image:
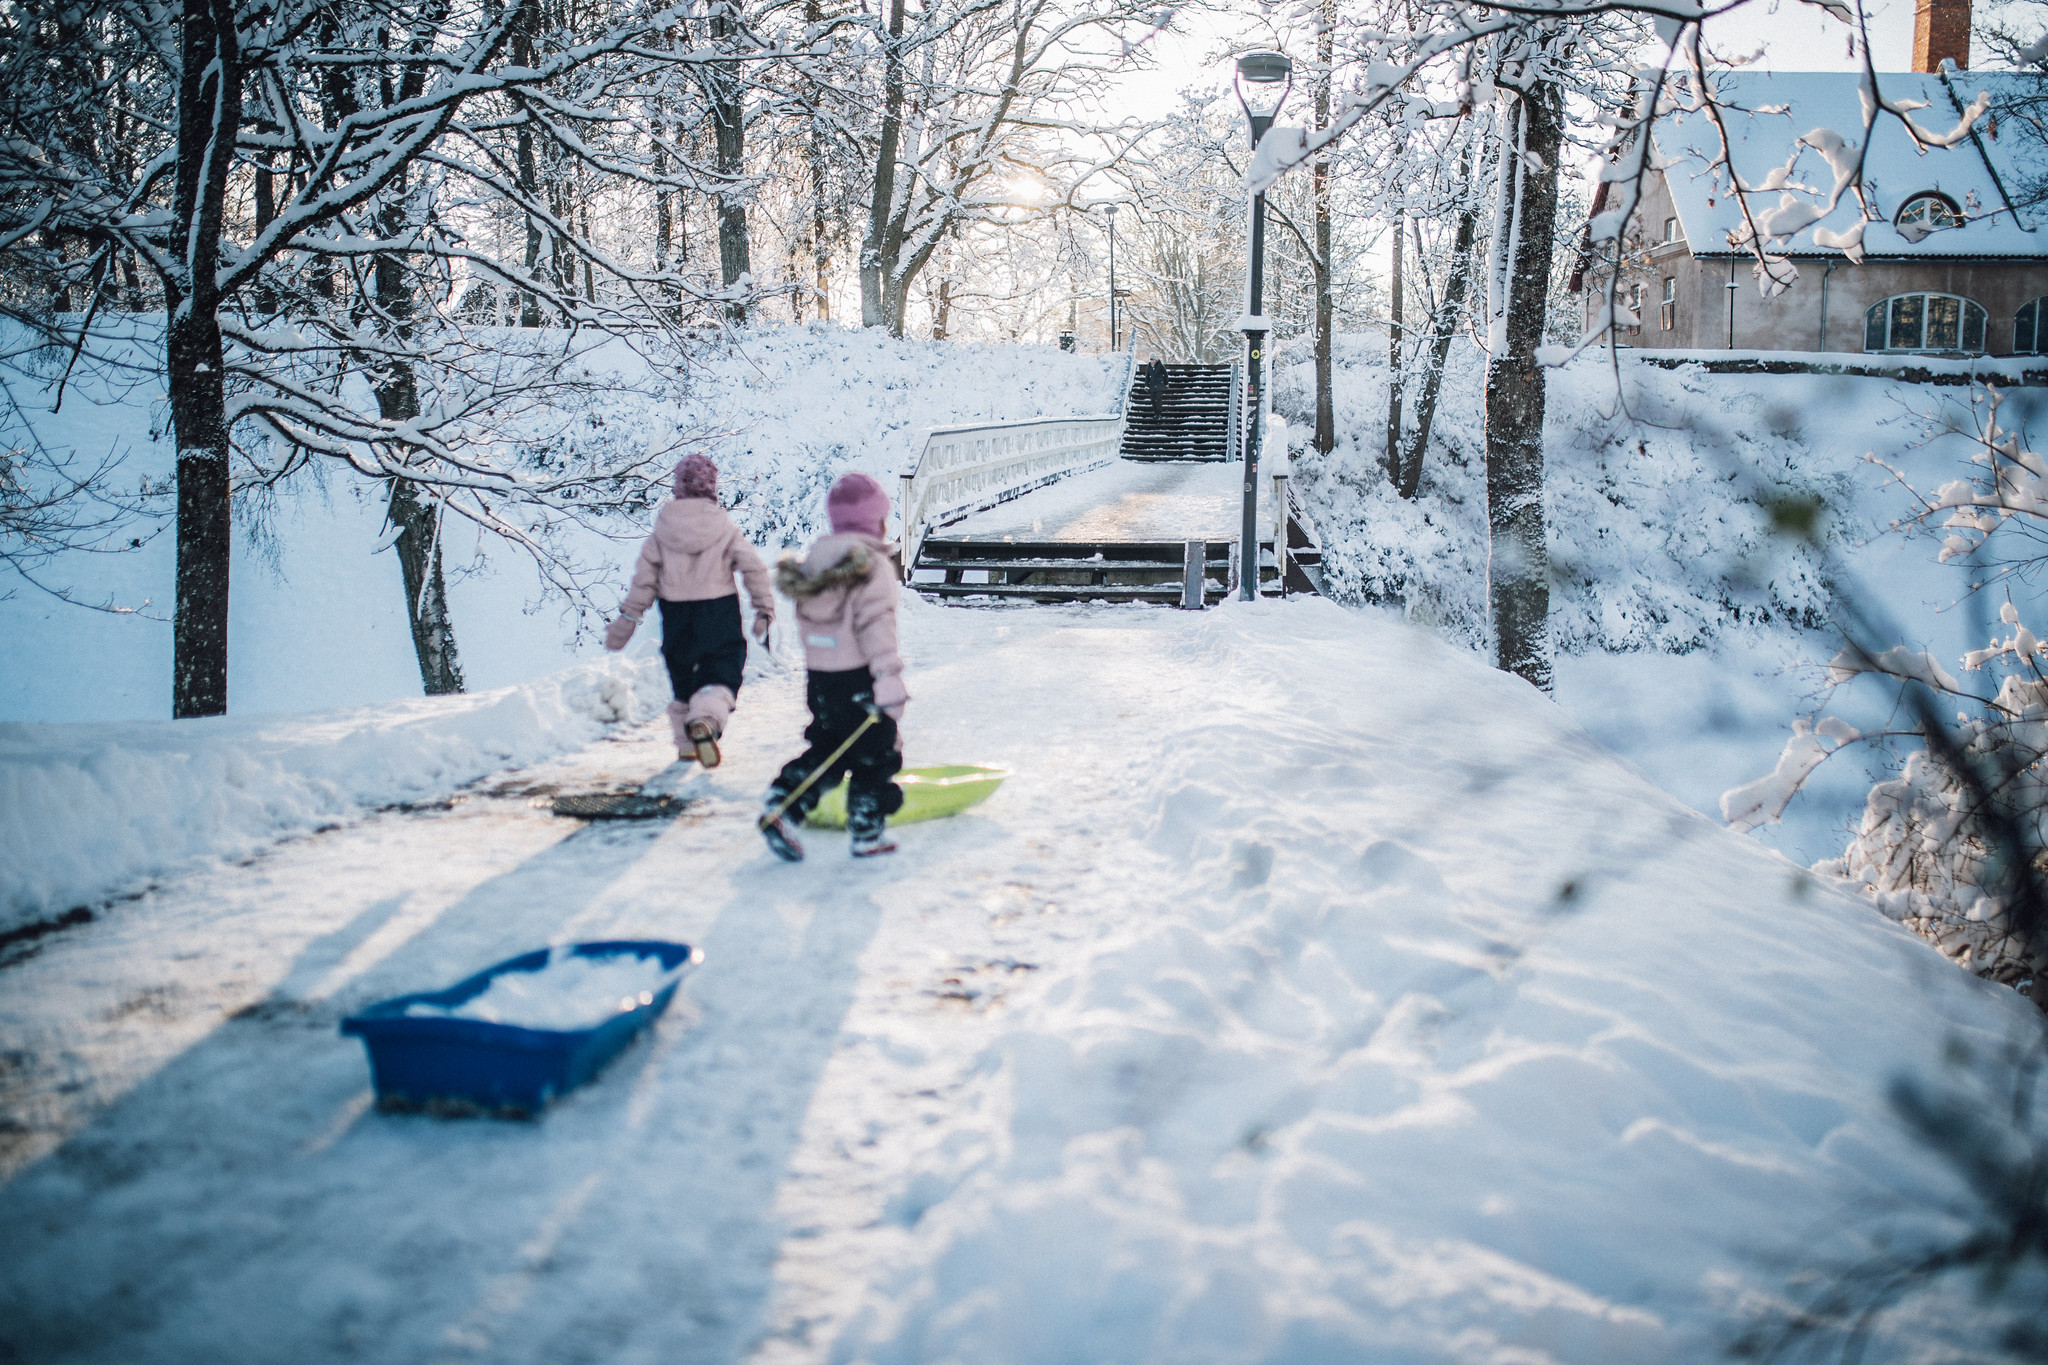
x=1081 y=571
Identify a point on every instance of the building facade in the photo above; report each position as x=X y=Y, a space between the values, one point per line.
x=1949 y=265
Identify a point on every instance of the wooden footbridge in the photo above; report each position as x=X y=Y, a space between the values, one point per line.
x=1141 y=505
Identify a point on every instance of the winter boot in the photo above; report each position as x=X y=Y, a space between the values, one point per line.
x=686 y=752
x=867 y=826
x=703 y=742
x=780 y=830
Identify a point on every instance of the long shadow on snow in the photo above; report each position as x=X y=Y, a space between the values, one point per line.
x=244 y=1203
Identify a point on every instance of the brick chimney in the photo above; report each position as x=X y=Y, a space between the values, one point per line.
x=1941 y=31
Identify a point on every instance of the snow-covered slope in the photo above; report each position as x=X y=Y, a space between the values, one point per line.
x=1688 y=634
x=1311 y=992
x=317 y=611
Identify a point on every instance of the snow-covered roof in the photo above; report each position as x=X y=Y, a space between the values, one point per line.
x=1781 y=119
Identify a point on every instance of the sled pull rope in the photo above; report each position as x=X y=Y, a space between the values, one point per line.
x=772 y=816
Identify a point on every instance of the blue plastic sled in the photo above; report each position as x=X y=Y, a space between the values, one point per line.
x=457 y=1067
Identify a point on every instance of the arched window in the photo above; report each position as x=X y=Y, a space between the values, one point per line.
x=1924 y=322
x=2029 y=337
x=1925 y=213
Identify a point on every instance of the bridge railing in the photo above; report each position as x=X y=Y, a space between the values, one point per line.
x=962 y=470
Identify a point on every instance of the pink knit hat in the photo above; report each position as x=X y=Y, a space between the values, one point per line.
x=857 y=503
x=697 y=477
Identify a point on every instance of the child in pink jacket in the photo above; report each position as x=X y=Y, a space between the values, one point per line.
x=844 y=593
x=689 y=563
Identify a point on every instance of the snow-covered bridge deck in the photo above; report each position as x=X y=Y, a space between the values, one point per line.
x=1130 y=530
x=1125 y=502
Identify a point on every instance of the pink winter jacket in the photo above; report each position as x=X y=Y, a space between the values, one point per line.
x=844 y=592
x=691 y=557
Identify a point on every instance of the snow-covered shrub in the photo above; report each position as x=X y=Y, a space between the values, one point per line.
x=1924 y=856
x=1658 y=488
x=1954 y=845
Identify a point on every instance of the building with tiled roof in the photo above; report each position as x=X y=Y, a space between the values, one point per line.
x=1953 y=259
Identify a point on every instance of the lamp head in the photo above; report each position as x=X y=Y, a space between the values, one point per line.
x=1263 y=80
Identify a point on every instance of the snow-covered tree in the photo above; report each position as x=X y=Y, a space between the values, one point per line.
x=982 y=121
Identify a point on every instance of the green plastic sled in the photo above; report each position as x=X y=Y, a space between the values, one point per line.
x=927 y=794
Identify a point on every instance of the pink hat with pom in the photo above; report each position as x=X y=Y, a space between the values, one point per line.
x=857 y=503
x=697 y=477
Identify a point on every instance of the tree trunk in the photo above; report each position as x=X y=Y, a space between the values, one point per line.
x=199 y=666
x=561 y=253
x=896 y=298
x=426 y=594
x=419 y=540
x=266 y=211
x=589 y=266
x=1446 y=327
x=60 y=287
x=874 y=270
x=1518 y=567
x=814 y=161
x=524 y=159
x=1393 y=455
x=942 y=314
x=209 y=112
x=728 y=120
x=821 y=229
x=664 y=216
x=1319 y=176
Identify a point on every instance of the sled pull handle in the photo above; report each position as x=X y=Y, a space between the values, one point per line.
x=772 y=816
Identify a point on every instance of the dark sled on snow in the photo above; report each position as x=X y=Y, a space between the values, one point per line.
x=469 y=1067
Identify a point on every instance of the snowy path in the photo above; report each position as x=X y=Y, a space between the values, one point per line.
x=1128 y=501
x=1312 y=993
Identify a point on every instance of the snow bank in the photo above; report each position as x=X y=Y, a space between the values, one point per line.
x=89 y=810
x=1393 y=1021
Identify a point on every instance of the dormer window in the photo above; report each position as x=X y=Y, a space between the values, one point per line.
x=1670 y=229
x=1925 y=213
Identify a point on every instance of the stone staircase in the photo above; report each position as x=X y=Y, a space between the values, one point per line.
x=1190 y=422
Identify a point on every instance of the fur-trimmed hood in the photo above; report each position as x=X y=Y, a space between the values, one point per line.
x=843 y=560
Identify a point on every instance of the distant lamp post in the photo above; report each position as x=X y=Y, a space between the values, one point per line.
x=1263 y=80
x=1115 y=339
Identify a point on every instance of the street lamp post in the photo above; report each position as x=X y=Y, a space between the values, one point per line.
x=1263 y=80
x=1114 y=339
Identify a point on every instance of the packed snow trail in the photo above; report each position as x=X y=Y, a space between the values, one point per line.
x=1312 y=992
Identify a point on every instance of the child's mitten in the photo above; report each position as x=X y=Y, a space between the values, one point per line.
x=619 y=632
x=761 y=621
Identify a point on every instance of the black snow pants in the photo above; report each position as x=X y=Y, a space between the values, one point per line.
x=702 y=644
x=839 y=703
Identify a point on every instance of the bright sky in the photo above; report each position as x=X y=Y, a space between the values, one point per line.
x=1784 y=35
